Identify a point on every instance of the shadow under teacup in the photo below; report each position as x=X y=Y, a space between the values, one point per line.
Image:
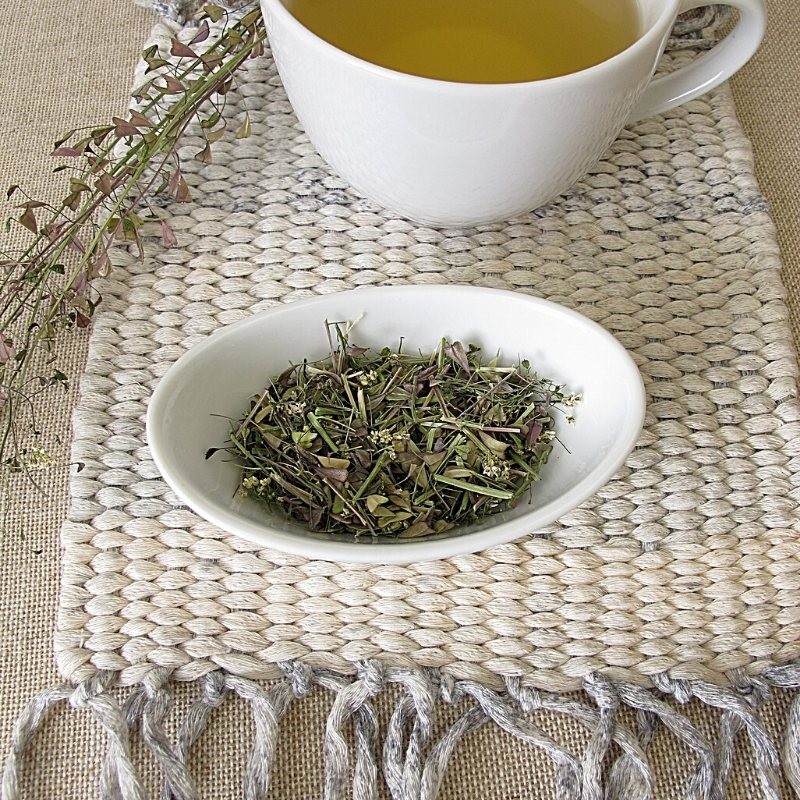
x=449 y=153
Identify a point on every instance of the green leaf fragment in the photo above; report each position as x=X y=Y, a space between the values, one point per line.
x=374 y=501
x=488 y=491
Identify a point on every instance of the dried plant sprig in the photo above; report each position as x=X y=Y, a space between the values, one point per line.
x=384 y=443
x=113 y=171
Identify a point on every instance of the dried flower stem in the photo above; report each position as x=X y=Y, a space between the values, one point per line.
x=49 y=286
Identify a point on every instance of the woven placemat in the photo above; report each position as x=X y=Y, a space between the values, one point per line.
x=686 y=563
x=682 y=573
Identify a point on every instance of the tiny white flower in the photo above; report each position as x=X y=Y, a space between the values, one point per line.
x=381 y=438
x=368 y=378
x=38 y=458
x=492 y=467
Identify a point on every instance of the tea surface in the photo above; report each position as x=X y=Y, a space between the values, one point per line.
x=475 y=41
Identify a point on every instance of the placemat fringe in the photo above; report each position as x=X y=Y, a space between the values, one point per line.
x=408 y=754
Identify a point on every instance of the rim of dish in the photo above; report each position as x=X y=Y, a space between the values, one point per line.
x=395 y=551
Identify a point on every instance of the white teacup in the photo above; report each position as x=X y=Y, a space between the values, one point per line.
x=453 y=154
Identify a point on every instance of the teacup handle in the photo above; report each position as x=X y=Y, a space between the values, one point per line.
x=711 y=68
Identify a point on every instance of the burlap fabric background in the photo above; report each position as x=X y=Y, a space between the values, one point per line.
x=72 y=65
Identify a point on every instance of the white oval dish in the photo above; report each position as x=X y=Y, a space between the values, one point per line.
x=190 y=409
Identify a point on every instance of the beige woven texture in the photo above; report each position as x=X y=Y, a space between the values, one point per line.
x=685 y=563
x=31 y=563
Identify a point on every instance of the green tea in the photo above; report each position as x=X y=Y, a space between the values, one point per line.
x=475 y=41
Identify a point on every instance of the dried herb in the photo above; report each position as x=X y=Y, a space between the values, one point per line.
x=114 y=172
x=384 y=443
